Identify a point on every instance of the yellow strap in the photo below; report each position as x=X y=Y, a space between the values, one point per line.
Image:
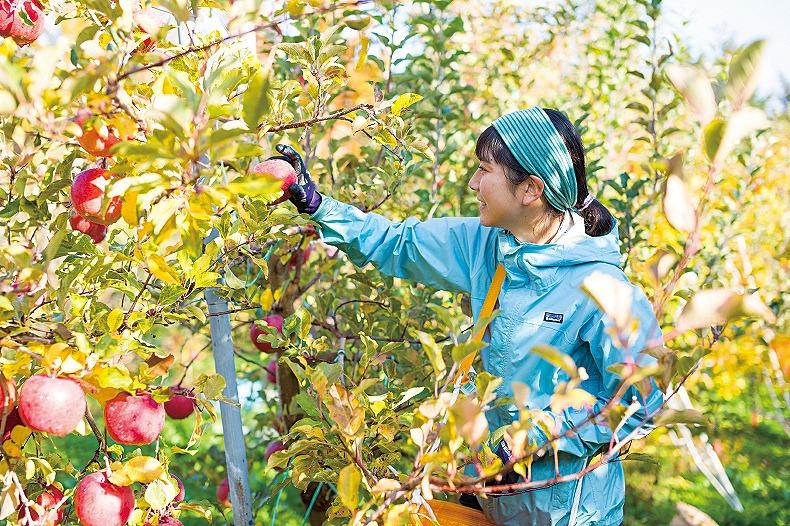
x=488 y=308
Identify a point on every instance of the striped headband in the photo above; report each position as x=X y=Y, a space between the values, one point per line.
x=538 y=147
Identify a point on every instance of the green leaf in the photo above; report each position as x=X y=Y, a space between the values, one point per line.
x=744 y=72
x=232 y=281
x=434 y=353
x=256 y=103
x=711 y=137
x=409 y=394
x=348 y=486
x=556 y=357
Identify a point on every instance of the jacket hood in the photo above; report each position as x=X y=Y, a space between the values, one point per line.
x=542 y=264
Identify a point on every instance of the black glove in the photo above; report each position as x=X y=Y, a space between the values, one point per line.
x=303 y=193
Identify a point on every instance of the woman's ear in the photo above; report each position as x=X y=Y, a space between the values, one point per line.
x=533 y=190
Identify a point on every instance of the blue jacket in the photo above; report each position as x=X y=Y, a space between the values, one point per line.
x=540 y=303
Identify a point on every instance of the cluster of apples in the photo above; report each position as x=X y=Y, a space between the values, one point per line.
x=56 y=405
x=13 y=25
x=93 y=210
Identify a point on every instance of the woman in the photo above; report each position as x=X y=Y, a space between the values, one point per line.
x=538 y=219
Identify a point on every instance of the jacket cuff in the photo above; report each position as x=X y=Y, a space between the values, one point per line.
x=327 y=205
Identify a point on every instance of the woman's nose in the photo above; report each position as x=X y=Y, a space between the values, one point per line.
x=474 y=181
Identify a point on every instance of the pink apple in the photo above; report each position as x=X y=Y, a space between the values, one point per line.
x=48 y=500
x=134 y=419
x=98 y=502
x=273 y=320
x=51 y=404
x=281 y=170
x=13 y=25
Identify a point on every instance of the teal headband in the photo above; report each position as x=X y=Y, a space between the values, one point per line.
x=538 y=147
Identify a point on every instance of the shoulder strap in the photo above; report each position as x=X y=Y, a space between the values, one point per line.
x=488 y=307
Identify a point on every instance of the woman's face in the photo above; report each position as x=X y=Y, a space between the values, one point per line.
x=498 y=205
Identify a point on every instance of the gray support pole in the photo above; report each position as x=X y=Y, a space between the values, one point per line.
x=235 y=450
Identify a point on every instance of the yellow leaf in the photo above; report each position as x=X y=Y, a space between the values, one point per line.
x=403 y=102
x=138 y=469
x=129 y=208
x=348 y=486
x=364 y=42
x=160 y=269
x=104 y=394
x=114 y=319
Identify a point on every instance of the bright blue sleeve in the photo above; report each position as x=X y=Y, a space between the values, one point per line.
x=437 y=252
x=589 y=437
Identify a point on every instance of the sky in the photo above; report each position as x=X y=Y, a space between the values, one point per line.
x=711 y=22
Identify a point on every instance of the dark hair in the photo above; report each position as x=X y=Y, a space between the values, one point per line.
x=598 y=221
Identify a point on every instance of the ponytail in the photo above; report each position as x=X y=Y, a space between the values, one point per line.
x=598 y=221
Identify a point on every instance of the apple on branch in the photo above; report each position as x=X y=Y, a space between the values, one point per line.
x=89 y=199
x=23 y=28
x=98 y=502
x=134 y=419
x=99 y=135
x=96 y=231
x=50 y=500
x=51 y=404
x=181 y=404
x=273 y=320
x=281 y=170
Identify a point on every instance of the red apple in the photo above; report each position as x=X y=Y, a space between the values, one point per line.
x=271 y=371
x=11 y=421
x=281 y=170
x=223 y=491
x=9 y=388
x=13 y=25
x=273 y=448
x=97 y=141
x=134 y=419
x=51 y=405
x=181 y=492
x=180 y=406
x=87 y=196
x=95 y=231
x=98 y=502
x=48 y=500
x=273 y=320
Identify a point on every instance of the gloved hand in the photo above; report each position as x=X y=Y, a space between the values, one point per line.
x=303 y=193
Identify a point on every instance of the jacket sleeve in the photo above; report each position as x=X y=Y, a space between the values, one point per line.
x=588 y=437
x=437 y=252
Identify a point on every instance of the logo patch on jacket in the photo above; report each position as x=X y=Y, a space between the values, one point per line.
x=552 y=317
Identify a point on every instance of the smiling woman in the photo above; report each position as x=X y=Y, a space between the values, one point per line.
x=540 y=225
